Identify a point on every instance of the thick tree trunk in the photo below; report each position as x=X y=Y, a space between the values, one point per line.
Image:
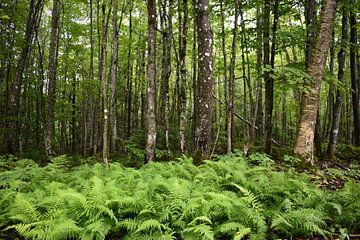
x=309 y=104
x=182 y=53
x=339 y=96
x=194 y=83
x=354 y=78
x=151 y=83
x=53 y=52
x=205 y=75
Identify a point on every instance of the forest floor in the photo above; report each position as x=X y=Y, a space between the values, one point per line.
x=276 y=197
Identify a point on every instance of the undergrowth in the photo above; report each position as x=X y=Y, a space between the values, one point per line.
x=226 y=198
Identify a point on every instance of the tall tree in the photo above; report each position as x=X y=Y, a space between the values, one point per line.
x=354 y=77
x=309 y=103
x=104 y=83
x=53 y=53
x=341 y=75
x=183 y=85
x=35 y=8
x=151 y=82
x=205 y=74
x=231 y=91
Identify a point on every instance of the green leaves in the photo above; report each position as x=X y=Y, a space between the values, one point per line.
x=226 y=198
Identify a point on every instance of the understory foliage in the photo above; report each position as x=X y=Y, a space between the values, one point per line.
x=226 y=198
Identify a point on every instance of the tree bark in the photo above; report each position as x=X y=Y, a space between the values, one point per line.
x=129 y=80
x=309 y=104
x=53 y=52
x=205 y=75
x=354 y=78
x=34 y=9
x=151 y=83
x=182 y=55
x=104 y=83
x=339 y=96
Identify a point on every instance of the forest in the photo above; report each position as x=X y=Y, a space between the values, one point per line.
x=179 y=119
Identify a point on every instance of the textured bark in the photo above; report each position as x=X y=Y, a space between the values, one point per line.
x=310 y=22
x=182 y=55
x=205 y=75
x=151 y=83
x=166 y=23
x=53 y=52
x=104 y=83
x=354 y=79
x=231 y=90
x=34 y=10
x=339 y=96
x=194 y=83
x=309 y=104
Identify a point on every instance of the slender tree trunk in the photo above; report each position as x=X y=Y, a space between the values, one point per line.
x=259 y=113
x=34 y=9
x=354 y=78
x=205 y=74
x=151 y=83
x=223 y=45
x=113 y=75
x=182 y=53
x=309 y=104
x=230 y=117
x=104 y=82
x=53 y=52
x=129 y=80
x=166 y=23
x=194 y=83
x=339 y=96
x=269 y=81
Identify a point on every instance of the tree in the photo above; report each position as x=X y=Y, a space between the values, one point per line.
x=341 y=75
x=205 y=74
x=151 y=83
x=53 y=54
x=183 y=72
x=354 y=78
x=309 y=104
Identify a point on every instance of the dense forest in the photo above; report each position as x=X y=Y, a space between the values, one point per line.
x=212 y=119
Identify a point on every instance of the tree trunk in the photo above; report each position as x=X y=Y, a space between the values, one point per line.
x=151 y=83
x=309 y=104
x=205 y=74
x=354 y=79
x=182 y=53
x=223 y=45
x=269 y=81
x=339 y=96
x=34 y=9
x=230 y=117
x=166 y=24
x=259 y=107
x=129 y=80
x=53 y=52
x=104 y=83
